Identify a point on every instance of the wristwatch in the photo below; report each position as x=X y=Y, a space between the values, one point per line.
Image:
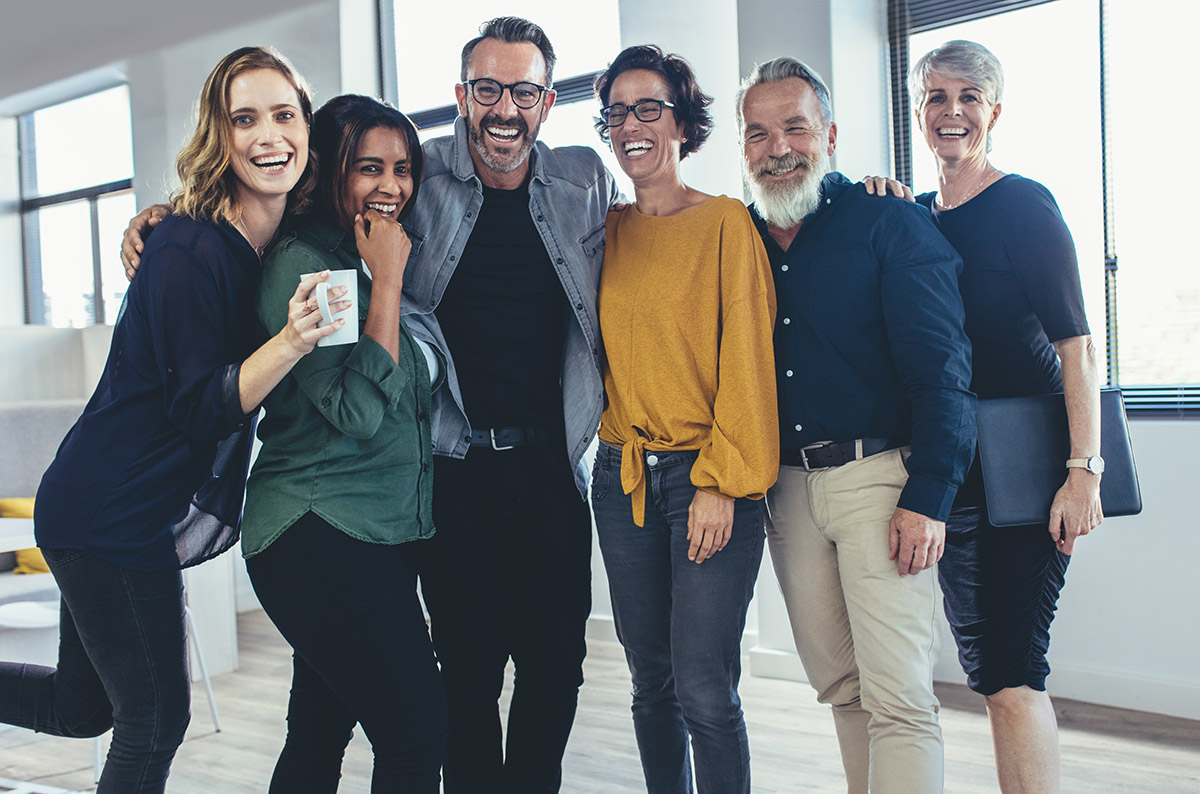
x=1094 y=464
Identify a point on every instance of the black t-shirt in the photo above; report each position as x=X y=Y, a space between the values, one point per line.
x=504 y=316
x=1020 y=288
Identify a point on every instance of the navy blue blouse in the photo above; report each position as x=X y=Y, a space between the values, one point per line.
x=1021 y=290
x=128 y=469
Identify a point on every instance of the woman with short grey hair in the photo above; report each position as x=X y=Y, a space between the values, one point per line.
x=1025 y=318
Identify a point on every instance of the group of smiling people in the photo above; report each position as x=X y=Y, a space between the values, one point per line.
x=721 y=337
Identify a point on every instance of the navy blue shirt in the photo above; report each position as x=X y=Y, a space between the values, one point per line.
x=1021 y=290
x=869 y=339
x=128 y=469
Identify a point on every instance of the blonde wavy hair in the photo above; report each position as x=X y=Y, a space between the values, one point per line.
x=206 y=177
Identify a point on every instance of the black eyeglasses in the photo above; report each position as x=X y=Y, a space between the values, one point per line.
x=645 y=110
x=488 y=92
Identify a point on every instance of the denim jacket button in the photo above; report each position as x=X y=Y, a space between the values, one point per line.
x=652 y=460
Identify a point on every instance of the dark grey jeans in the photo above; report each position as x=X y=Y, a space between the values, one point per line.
x=680 y=624
x=122 y=663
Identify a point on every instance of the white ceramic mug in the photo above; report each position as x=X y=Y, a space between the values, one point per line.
x=348 y=333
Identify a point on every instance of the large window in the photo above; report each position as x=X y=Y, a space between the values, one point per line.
x=428 y=44
x=76 y=191
x=1090 y=100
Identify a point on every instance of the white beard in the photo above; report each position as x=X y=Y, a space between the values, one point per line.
x=785 y=204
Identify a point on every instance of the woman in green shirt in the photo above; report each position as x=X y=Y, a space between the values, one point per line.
x=343 y=480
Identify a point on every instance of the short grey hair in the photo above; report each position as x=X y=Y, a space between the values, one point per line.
x=777 y=71
x=512 y=30
x=961 y=59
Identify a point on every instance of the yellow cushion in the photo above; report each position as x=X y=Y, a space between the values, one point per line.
x=17 y=507
x=28 y=560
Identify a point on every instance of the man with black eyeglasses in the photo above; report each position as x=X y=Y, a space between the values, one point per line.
x=507 y=243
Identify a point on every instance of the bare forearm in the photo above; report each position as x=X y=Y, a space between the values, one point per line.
x=383 y=319
x=264 y=369
x=1081 y=389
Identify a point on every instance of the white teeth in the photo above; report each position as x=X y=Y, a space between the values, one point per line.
x=271 y=159
x=637 y=148
x=955 y=131
x=384 y=209
x=503 y=133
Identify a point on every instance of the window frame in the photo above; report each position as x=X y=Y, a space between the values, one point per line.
x=906 y=17
x=29 y=205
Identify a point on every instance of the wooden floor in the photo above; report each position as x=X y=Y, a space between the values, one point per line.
x=791 y=738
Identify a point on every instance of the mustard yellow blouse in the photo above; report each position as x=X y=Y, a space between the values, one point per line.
x=687 y=308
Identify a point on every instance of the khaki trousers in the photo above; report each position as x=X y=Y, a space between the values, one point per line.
x=865 y=634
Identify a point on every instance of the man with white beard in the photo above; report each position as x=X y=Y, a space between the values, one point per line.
x=877 y=428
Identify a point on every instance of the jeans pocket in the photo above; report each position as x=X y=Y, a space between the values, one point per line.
x=600 y=478
x=63 y=556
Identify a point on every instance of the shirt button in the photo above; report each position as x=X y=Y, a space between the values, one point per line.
x=559 y=260
x=452 y=257
x=470 y=214
x=789 y=373
x=787 y=320
x=578 y=306
x=541 y=218
x=783 y=268
x=652 y=460
x=799 y=428
x=467 y=437
x=326 y=402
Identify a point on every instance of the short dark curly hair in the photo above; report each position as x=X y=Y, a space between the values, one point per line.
x=691 y=104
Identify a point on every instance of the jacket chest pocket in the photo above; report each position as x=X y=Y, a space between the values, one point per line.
x=592 y=244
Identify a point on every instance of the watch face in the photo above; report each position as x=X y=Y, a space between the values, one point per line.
x=1095 y=464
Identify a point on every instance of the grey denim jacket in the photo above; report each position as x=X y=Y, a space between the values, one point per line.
x=570 y=192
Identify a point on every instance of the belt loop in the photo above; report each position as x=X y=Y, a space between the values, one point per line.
x=858 y=449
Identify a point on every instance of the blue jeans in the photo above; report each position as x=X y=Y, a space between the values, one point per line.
x=685 y=659
x=122 y=663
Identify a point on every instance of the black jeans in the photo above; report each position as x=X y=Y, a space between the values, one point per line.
x=508 y=574
x=122 y=663
x=362 y=655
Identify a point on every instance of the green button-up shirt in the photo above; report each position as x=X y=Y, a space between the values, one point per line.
x=346 y=433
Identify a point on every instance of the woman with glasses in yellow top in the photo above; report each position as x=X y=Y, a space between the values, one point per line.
x=690 y=439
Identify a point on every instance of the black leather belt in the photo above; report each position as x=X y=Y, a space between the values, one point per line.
x=830 y=454
x=501 y=438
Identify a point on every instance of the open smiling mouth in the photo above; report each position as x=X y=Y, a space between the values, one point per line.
x=386 y=210
x=503 y=134
x=272 y=163
x=638 y=148
x=952 y=132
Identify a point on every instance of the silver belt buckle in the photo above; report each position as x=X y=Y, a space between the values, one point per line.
x=492 y=433
x=804 y=455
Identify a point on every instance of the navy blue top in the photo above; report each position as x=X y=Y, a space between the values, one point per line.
x=147 y=439
x=869 y=339
x=1020 y=286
